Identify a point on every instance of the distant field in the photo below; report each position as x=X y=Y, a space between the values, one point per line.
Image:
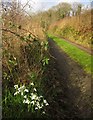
x=80 y=56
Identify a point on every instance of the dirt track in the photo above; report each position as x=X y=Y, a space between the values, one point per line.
x=71 y=86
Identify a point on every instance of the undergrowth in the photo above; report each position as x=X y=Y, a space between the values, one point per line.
x=76 y=28
x=24 y=62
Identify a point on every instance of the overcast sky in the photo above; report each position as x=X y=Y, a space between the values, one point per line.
x=37 y=5
x=46 y=4
x=57 y=1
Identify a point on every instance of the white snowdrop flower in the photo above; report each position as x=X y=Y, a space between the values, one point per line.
x=21 y=88
x=26 y=90
x=31 y=93
x=35 y=89
x=15 y=86
x=32 y=84
x=27 y=101
x=47 y=104
x=43 y=112
x=16 y=93
x=40 y=97
x=32 y=102
x=22 y=93
x=37 y=103
x=33 y=96
x=42 y=105
x=39 y=107
x=36 y=108
x=37 y=98
x=25 y=96
x=24 y=101
x=45 y=101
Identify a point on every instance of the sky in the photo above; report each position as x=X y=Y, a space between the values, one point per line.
x=40 y=5
x=46 y=4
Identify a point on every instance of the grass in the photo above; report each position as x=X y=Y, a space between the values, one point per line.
x=80 y=56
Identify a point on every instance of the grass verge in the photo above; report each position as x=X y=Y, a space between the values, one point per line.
x=80 y=56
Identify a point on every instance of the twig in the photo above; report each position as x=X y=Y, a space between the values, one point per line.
x=16 y=34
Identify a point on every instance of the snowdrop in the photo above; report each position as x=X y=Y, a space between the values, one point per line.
x=33 y=96
x=37 y=104
x=43 y=112
x=16 y=93
x=22 y=93
x=26 y=90
x=46 y=103
x=32 y=102
x=16 y=86
x=32 y=84
x=42 y=105
x=25 y=96
x=27 y=101
x=21 y=88
x=35 y=89
x=39 y=107
x=36 y=108
x=40 y=97
x=31 y=99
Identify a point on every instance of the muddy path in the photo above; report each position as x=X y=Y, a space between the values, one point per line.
x=69 y=87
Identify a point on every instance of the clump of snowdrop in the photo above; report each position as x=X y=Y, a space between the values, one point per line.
x=29 y=97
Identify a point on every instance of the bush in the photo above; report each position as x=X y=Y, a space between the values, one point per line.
x=21 y=68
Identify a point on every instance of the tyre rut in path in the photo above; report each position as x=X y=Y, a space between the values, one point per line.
x=72 y=85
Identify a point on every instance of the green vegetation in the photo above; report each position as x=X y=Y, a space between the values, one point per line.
x=24 y=62
x=83 y=58
x=24 y=101
x=31 y=85
x=23 y=78
x=76 y=28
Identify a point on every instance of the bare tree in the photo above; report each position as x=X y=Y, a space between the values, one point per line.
x=76 y=8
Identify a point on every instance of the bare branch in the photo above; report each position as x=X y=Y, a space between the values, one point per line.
x=18 y=35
